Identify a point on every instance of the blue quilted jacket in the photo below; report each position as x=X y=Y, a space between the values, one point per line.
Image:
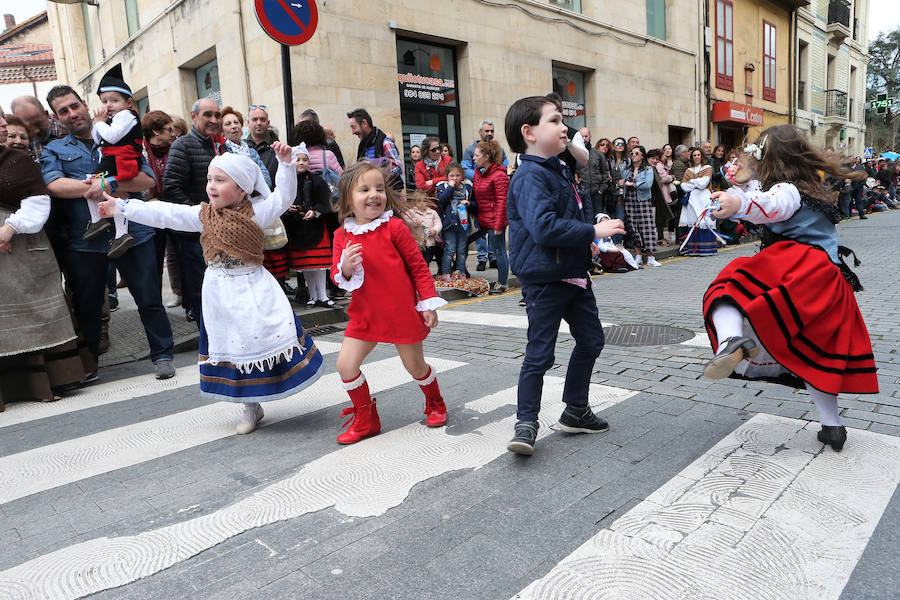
x=549 y=235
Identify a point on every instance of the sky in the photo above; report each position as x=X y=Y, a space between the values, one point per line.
x=883 y=12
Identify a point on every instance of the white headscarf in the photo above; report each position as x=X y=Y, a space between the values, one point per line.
x=301 y=149
x=243 y=171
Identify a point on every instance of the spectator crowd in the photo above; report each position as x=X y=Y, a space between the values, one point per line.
x=52 y=168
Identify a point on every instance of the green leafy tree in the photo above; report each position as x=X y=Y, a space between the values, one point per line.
x=883 y=77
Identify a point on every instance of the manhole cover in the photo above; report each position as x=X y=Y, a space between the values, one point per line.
x=324 y=330
x=646 y=335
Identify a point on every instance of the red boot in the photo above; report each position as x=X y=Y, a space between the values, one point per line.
x=365 y=422
x=435 y=409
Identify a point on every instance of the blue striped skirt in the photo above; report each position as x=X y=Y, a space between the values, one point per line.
x=702 y=243
x=223 y=382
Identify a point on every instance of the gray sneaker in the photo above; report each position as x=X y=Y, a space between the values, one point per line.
x=523 y=440
x=581 y=419
x=165 y=369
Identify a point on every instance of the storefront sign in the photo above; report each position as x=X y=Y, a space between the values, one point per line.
x=426 y=90
x=732 y=112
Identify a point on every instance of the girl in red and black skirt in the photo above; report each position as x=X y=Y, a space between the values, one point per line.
x=309 y=245
x=789 y=314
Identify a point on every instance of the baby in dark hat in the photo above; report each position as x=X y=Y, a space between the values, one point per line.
x=118 y=134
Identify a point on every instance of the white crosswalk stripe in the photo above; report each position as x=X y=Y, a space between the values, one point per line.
x=766 y=513
x=111 y=392
x=57 y=464
x=365 y=479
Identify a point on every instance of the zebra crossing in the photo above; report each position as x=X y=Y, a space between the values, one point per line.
x=754 y=514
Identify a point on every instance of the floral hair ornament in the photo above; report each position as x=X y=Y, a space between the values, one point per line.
x=756 y=151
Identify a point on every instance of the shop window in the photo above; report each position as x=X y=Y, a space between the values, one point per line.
x=132 y=17
x=574 y=5
x=570 y=85
x=724 y=45
x=208 y=81
x=656 y=18
x=768 y=61
x=429 y=97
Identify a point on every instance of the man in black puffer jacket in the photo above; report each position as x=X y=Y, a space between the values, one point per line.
x=184 y=182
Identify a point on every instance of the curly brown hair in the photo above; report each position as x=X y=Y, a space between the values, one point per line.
x=788 y=156
x=492 y=150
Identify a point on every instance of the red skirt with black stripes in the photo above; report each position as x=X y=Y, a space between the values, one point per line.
x=803 y=312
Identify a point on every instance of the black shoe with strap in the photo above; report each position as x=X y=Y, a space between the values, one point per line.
x=581 y=419
x=524 y=438
x=727 y=359
x=833 y=435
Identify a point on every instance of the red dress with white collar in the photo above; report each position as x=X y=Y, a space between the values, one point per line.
x=391 y=286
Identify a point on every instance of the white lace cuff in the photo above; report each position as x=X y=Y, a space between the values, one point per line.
x=430 y=304
x=356 y=280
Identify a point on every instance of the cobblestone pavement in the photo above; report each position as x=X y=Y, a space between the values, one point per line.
x=135 y=488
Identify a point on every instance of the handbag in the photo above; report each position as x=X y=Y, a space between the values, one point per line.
x=275 y=236
x=331 y=178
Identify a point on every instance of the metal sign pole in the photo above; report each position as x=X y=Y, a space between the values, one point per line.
x=288 y=90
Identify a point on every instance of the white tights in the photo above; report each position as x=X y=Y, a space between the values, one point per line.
x=826 y=405
x=315 y=282
x=728 y=321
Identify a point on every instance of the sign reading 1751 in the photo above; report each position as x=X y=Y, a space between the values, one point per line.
x=882 y=103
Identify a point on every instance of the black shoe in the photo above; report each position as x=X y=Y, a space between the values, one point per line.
x=833 y=435
x=95 y=229
x=863 y=217
x=481 y=266
x=113 y=304
x=522 y=302
x=724 y=363
x=287 y=288
x=498 y=289
x=120 y=246
x=189 y=315
x=492 y=264
x=523 y=440
x=325 y=303
x=581 y=419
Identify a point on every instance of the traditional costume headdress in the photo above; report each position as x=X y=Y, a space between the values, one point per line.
x=114 y=81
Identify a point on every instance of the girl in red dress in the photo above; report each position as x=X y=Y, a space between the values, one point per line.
x=788 y=314
x=394 y=299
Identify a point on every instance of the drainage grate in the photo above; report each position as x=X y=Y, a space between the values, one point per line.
x=324 y=330
x=646 y=335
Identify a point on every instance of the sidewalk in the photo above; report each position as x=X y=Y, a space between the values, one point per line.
x=128 y=342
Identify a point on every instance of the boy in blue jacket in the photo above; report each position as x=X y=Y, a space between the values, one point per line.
x=550 y=248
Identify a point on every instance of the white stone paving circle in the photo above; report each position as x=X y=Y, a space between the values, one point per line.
x=765 y=514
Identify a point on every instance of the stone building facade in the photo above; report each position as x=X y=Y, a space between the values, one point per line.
x=624 y=67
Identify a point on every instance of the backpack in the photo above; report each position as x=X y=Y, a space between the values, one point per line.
x=331 y=178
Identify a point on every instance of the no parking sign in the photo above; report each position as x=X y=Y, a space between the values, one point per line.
x=288 y=22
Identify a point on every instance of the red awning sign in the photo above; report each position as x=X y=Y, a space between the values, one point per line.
x=288 y=22
x=732 y=112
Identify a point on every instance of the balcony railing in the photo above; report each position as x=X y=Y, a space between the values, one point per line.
x=839 y=12
x=836 y=104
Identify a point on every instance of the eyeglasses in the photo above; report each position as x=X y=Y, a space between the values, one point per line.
x=262 y=106
x=619 y=145
x=636 y=154
x=435 y=149
x=604 y=144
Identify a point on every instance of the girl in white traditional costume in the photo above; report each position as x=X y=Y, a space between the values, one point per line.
x=252 y=346
x=701 y=241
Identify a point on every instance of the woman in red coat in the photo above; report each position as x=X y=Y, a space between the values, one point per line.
x=432 y=169
x=490 y=186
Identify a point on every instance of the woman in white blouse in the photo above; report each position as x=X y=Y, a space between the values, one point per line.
x=697 y=188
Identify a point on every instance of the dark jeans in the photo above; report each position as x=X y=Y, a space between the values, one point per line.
x=455 y=239
x=846 y=199
x=87 y=276
x=546 y=304
x=497 y=242
x=190 y=257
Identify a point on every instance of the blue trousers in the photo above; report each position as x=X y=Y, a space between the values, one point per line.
x=498 y=243
x=455 y=239
x=483 y=246
x=546 y=304
x=86 y=273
